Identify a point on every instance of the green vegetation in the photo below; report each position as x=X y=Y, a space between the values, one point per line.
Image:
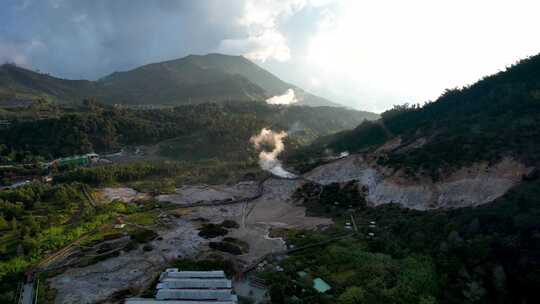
x=189 y=132
x=210 y=231
x=151 y=175
x=487 y=254
x=355 y=276
x=192 y=79
x=37 y=219
x=333 y=196
x=143 y=235
x=495 y=117
x=227 y=247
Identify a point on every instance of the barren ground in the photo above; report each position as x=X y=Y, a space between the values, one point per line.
x=98 y=282
x=122 y=194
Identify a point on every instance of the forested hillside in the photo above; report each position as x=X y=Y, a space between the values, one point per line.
x=487 y=254
x=223 y=130
x=497 y=116
x=17 y=82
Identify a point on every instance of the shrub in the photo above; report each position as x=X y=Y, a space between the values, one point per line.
x=144 y=235
x=226 y=247
x=209 y=231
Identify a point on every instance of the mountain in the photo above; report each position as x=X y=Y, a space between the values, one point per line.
x=17 y=82
x=192 y=79
x=497 y=117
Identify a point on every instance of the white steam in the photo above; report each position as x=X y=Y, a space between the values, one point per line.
x=344 y=154
x=288 y=98
x=268 y=160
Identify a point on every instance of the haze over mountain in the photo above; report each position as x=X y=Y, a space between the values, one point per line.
x=192 y=79
x=496 y=117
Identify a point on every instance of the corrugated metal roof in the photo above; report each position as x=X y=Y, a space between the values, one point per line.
x=152 y=301
x=217 y=274
x=194 y=294
x=191 y=287
x=176 y=283
x=320 y=285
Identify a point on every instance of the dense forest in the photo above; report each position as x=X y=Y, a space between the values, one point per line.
x=497 y=116
x=487 y=254
x=219 y=130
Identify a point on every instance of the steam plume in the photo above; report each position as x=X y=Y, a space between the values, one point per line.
x=288 y=98
x=268 y=160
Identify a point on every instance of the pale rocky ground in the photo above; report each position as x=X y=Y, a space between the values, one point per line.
x=99 y=281
x=190 y=194
x=96 y=283
x=473 y=186
x=479 y=184
x=122 y=194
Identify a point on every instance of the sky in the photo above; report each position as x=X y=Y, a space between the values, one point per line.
x=365 y=54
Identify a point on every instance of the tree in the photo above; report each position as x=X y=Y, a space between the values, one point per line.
x=352 y=295
x=474 y=292
x=3 y=223
x=13 y=224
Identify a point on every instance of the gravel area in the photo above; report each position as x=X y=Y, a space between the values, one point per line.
x=122 y=194
x=136 y=269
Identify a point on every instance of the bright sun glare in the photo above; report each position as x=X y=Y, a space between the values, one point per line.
x=418 y=48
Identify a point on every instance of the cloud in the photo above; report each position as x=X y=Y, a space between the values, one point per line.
x=261 y=20
x=365 y=54
x=90 y=39
x=270 y=44
x=17 y=52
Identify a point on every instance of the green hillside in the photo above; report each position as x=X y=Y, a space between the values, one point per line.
x=189 y=80
x=495 y=117
x=220 y=130
x=19 y=82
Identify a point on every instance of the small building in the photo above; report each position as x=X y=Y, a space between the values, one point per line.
x=78 y=160
x=188 y=287
x=19 y=184
x=302 y=274
x=320 y=285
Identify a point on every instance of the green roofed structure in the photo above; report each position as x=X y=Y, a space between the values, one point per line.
x=77 y=160
x=320 y=285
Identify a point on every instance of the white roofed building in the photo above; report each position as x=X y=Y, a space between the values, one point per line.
x=191 y=287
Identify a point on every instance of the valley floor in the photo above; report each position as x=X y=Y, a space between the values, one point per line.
x=179 y=238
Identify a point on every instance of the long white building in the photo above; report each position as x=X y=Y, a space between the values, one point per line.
x=191 y=287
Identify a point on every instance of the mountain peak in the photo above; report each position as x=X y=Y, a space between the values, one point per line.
x=212 y=77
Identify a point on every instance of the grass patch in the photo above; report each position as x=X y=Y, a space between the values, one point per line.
x=143 y=235
x=143 y=218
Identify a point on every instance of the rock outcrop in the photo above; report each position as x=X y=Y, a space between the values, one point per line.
x=472 y=186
